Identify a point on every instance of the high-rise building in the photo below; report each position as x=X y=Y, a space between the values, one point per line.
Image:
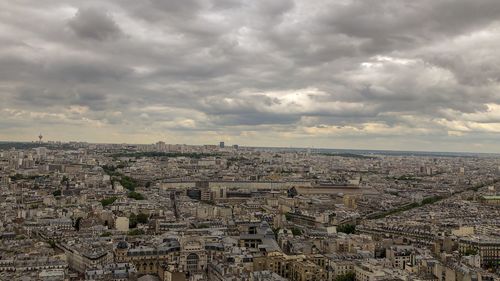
x=221 y=144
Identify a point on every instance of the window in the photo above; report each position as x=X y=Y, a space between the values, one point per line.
x=192 y=262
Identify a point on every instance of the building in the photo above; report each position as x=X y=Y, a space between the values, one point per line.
x=188 y=253
x=295 y=268
x=491 y=200
x=113 y=271
x=122 y=224
x=401 y=256
x=487 y=247
x=83 y=255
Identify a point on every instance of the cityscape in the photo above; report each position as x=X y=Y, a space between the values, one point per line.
x=84 y=211
x=250 y=140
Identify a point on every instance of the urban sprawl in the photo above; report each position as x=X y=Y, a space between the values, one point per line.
x=82 y=211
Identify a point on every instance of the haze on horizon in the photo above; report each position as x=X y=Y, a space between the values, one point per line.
x=389 y=74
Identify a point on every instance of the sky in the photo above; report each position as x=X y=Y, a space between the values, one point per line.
x=369 y=74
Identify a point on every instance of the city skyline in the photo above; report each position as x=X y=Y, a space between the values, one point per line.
x=397 y=75
x=312 y=149
x=84 y=211
x=250 y=140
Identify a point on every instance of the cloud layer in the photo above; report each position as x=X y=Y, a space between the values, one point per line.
x=389 y=74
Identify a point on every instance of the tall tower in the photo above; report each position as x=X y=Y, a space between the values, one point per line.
x=40 y=137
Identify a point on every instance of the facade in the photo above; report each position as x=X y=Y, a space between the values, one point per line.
x=148 y=260
x=367 y=273
x=295 y=268
x=488 y=249
x=113 y=271
x=188 y=254
x=80 y=258
x=193 y=256
x=401 y=256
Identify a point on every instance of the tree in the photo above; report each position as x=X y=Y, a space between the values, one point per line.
x=16 y=177
x=52 y=243
x=431 y=200
x=136 y=195
x=64 y=180
x=57 y=193
x=136 y=232
x=296 y=231
x=110 y=170
x=347 y=228
x=129 y=183
x=142 y=218
x=132 y=221
x=108 y=201
x=349 y=276
x=470 y=252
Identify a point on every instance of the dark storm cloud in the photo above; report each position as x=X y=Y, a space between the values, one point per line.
x=394 y=24
x=307 y=69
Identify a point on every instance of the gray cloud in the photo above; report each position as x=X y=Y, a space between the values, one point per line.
x=322 y=73
x=92 y=23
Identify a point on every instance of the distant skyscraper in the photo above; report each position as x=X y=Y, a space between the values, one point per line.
x=221 y=144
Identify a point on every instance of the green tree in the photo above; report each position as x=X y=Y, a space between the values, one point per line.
x=129 y=183
x=52 y=243
x=57 y=192
x=136 y=195
x=108 y=201
x=16 y=177
x=347 y=228
x=110 y=170
x=142 y=218
x=132 y=221
x=134 y=232
x=349 y=276
x=296 y=231
x=431 y=200
x=470 y=252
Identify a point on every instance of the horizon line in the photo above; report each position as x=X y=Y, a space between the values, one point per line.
x=263 y=147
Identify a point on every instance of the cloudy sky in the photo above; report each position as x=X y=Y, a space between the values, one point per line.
x=379 y=74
